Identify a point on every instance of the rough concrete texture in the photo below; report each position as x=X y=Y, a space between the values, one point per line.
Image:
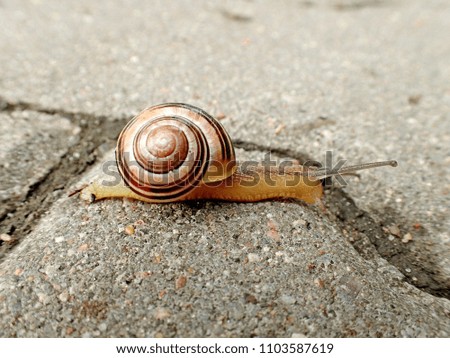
x=32 y=145
x=366 y=79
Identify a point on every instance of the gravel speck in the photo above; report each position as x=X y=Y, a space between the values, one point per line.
x=6 y=238
x=253 y=257
x=407 y=238
x=289 y=300
x=59 y=239
x=162 y=313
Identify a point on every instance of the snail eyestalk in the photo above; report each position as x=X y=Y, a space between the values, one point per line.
x=323 y=173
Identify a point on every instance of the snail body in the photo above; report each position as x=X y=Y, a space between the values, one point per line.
x=237 y=188
x=175 y=152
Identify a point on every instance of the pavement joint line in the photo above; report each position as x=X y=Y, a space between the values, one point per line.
x=22 y=216
x=343 y=211
x=8 y=106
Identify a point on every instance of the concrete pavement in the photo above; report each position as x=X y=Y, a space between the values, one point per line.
x=366 y=79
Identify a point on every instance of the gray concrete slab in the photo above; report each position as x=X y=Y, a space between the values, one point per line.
x=366 y=79
x=32 y=145
x=124 y=268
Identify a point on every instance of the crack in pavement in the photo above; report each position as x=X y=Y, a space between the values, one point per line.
x=98 y=130
x=415 y=260
x=22 y=216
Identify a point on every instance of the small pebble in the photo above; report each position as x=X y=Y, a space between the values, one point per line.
x=407 y=238
x=253 y=257
x=414 y=99
x=64 y=296
x=162 y=313
x=220 y=116
x=83 y=248
x=6 y=238
x=289 y=300
x=408 y=270
x=167 y=235
x=129 y=230
x=298 y=335
x=181 y=282
x=157 y=258
x=319 y=283
x=279 y=129
x=394 y=230
x=59 y=239
x=273 y=230
x=43 y=298
x=144 y=274
x=299 y=222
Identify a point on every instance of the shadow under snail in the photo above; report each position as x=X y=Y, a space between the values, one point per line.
x=174 y=152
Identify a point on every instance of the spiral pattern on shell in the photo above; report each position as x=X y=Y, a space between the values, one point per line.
x=166 y=151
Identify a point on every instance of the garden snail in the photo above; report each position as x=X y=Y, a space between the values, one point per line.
x=174 y=152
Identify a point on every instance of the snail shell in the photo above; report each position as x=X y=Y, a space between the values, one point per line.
x=167 y=151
